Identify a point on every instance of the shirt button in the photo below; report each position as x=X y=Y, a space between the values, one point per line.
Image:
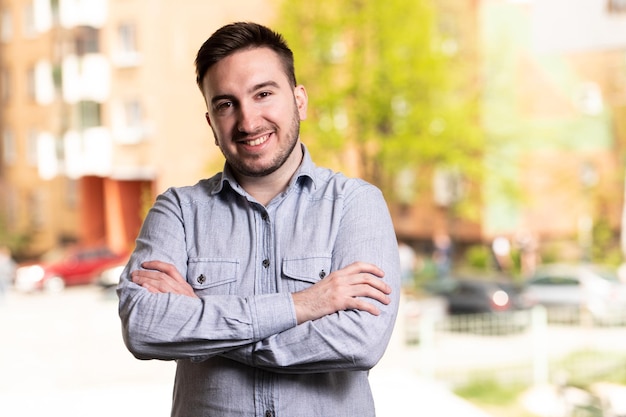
x=266 y=264
x=322 y=274
x=201 y=279
x=269 y=413
x=264 y=216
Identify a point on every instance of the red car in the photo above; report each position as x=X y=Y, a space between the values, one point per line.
x=60 y=269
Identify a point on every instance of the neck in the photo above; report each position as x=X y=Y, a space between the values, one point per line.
x=265 y=188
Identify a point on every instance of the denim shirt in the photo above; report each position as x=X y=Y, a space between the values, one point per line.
x=238 y=348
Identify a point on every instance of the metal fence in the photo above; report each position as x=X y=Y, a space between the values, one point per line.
x=530 y=347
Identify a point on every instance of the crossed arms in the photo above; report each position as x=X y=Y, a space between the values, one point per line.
x=342 y=321
x=341 y=290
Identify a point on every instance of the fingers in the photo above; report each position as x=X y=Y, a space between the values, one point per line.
x=161 y=277
x=363 y=267
x=163 y=267
x=362 y=305
x=353 y=287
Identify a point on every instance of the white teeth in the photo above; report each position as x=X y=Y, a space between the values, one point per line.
x=258 y=141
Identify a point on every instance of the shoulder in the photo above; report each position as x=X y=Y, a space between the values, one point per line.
x=327 y=181
x=201 y=191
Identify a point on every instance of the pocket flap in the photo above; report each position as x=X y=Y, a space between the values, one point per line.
x=309 y=269
x=203 y=273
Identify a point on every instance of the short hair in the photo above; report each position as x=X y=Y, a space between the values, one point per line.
x=238 y=36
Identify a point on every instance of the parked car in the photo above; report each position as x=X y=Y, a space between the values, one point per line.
x=59 y=269
x=469 y=295
x=110 y=277
x=495 y=306
x=571 y=291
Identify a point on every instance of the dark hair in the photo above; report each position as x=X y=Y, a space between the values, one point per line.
x=238 y=36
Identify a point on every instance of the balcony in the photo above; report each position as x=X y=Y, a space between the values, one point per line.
x=86 y=78
x=74 y=13
x=88 y=152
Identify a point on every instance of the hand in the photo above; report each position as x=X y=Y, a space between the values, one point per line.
x=161 y=277
x=341 y=290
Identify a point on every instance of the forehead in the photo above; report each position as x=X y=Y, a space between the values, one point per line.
x=243 y=69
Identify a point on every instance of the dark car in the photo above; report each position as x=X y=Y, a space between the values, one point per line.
x=470 y=295
x=484 y=305
x=63 y=268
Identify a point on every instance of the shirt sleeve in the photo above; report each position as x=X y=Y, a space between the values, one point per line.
x=171 y=326
x=346 y=340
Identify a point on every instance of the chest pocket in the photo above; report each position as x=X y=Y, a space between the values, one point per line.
x=301 y=273
x=212 y=276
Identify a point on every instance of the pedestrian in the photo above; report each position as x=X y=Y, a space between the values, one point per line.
x=442 y=255
x=275 y=283
x=7 y=271
x=408 y=264
x=501 y=249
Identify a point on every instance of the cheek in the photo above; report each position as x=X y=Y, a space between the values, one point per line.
x=221 y=127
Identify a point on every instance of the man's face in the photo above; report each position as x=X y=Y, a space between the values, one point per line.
x=253 y=111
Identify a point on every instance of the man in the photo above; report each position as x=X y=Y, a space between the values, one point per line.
x=274 y=284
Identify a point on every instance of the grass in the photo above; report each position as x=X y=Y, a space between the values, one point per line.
x=502 y=399
x=495 y=398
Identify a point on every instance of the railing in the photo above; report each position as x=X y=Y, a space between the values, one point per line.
x=531 y=347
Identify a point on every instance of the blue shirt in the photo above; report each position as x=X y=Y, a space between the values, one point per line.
x=238 y=348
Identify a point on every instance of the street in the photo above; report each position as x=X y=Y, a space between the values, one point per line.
x=63 y=355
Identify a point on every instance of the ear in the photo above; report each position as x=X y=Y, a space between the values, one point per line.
x=302 y=100
x=208 y=120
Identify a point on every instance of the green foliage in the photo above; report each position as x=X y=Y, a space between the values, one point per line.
x=490 y=391
x=606 y=246
x=16 y=242
x=479 y=257
x=384 y=92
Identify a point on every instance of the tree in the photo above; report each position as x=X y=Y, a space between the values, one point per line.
x=389 y=91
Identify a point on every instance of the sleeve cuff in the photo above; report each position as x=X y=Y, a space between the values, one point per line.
x=272 y=314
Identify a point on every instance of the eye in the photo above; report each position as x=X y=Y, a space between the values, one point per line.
x=264 y=94
x=223 y=106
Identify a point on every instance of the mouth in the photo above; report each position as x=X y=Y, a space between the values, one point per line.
x=258 y=141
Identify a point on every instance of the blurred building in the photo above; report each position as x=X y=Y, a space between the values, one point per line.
x=554 y=113
x=100 y=112
x=552 y=80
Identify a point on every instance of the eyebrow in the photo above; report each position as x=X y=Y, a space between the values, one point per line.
x=251 y=90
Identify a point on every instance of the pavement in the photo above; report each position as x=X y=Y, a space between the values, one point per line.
x=62 y=355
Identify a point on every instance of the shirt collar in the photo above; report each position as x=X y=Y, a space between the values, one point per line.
x=305 y=170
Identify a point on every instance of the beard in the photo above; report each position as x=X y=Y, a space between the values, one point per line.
x=248 y=166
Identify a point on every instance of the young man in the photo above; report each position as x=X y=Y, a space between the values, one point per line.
x=275 y=283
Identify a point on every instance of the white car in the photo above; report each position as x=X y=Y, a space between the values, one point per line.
x=577 y=289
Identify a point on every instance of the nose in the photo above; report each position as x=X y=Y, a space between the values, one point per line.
x=248 y=118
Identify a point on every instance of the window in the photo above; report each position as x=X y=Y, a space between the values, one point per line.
x=29 y=20
x=88 y=114
x=5 y=85
x=617 y=6
x=126 y=53
x=127 y=41
x=133 y=114
x=87 y=40
x=37 y=208
x=30 y=83
x=6 y=26
x=31 y=147
x=9 y=148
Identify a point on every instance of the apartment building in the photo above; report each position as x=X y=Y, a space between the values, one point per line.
x=553 y=103
x=100 y=112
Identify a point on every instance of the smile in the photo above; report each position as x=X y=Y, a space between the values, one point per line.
x=258 y=141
